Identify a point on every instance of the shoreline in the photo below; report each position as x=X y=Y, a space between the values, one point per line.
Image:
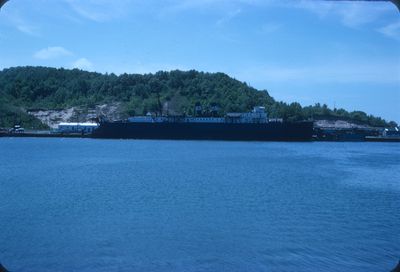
x=48 y=134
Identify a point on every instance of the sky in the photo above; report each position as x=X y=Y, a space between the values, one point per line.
x=343 y=54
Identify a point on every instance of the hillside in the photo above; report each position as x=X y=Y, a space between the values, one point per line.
x=40 y=89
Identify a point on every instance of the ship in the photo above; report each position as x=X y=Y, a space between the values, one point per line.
x=248 y=126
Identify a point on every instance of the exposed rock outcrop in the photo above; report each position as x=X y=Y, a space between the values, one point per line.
x=76 y=114
x=337 y=124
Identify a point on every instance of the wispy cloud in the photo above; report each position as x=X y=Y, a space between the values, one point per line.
x=28 y=29
x=178 y=6
x=228 y=17
x=351 y=14
x=83 y=64
x=361 y=72
x=271 y=27
x=52 y=53
x=99 y=10
x=391 y=30
x=21 y=23
x=231 y=6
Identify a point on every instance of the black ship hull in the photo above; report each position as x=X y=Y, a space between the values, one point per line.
x=272 y=131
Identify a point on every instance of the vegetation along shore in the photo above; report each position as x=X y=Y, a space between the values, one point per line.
x=40 y=97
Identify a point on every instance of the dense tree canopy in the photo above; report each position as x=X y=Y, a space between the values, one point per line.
x=24 y=88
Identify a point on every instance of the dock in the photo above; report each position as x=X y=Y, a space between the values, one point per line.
x=43 y=134
x=382 y=139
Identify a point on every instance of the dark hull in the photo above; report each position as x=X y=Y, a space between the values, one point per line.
x=383 y=139
x=274 y=131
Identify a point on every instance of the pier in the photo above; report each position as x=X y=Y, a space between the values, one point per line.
x=43 y=134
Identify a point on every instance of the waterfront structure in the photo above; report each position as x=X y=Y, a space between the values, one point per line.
x=84 y=128
x=249 y=126
x=391 y=132
x=16 y=129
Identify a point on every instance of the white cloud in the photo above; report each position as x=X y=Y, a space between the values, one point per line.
x=351 y=14
x=100 y=10
x=271 y=27
x=181 y=5
x=27 y=29
x=228 y=17
x=391 y=30
x=83 y=64
x=177 y=6
x=20 y=23
x=320 y=8
x=52 y=53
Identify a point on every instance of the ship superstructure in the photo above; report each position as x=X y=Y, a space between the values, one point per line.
x=249 y=126
x=257 y=116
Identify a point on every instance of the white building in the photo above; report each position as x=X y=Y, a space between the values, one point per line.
x=77 y=127
x=258 y=115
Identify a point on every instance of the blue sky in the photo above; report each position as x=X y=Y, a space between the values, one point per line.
x=339 y=53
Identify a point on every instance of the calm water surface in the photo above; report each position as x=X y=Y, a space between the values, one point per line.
x=111 y=205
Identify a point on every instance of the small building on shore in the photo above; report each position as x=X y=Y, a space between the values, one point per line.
x=84 y=128
x=391 y=132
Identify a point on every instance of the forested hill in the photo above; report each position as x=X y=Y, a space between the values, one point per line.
x=177 y=92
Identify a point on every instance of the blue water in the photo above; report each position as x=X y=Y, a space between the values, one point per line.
x=114 y=205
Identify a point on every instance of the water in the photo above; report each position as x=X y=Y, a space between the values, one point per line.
x=110 y=205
